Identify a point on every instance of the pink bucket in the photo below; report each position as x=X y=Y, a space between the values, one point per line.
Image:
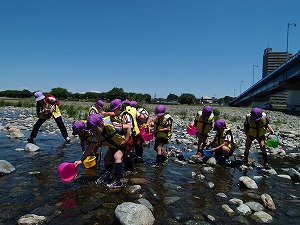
x=147 y=136
x=191 y=129
x=142 y=130
x=67 y=171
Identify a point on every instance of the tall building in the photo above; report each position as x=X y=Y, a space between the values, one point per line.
x=272 y=60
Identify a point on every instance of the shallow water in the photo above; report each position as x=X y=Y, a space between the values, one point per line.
x=83 y=201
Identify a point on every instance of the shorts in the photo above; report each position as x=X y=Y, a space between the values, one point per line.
x=161 y=140
x=258 y=139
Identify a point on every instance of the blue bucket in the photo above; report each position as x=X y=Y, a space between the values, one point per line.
x=208 y=153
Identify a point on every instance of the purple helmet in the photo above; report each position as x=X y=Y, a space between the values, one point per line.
x=160 y=110
x=99 y=103
x=207 y=110
x=134 y=103
x=38 y=96
x=93 y=120
x=116 y=103
x=77 y=127
x=256 y=114
x=219 y=124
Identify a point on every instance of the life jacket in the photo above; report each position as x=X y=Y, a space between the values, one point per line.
x=87 y=137
x=220 y=137
x=117 y=118
x=48 y=104
x=257 y=129
x=110 y=137
x=161 y=122
x=51 y=99
x=203 y=124
x=132 y=112
x=93 y=108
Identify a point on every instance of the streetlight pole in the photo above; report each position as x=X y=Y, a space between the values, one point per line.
x=253 y=73
x=287 y=39
x=241 y=87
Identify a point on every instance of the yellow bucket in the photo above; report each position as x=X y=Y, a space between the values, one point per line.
x=90 y=162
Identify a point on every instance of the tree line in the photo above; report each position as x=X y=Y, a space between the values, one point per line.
x=64 y=94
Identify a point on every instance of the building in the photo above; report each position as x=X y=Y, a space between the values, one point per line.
x=271 y=61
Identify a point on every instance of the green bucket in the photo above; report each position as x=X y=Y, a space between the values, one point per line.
x=272 y=143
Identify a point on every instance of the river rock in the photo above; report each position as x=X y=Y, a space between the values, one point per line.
x=294 y=174
x=241 y=220
x=255 y=206
x=134 y=188
x=145 y=202
x=284 y=176
x=262 y=217
x=244 y=210
x=228 y=210
x=6 y=167
x=268 y=201
x=248 y=182
x=130 y=213
x=31 y=147
x=236 y=201
x=30 y=219
x=15 y=135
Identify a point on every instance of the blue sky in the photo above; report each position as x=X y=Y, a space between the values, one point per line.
x=206 y=48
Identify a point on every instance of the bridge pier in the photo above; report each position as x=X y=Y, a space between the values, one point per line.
x=293 y=100
x=260 y=102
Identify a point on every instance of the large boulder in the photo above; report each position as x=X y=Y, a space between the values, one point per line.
x=129 y=213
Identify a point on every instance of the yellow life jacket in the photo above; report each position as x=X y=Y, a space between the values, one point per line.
x=132 y=112
x=110 y=137
x=117 y=118
x=93 y=108
x=257 y=129
x=160 y=123
x=39 y=107
x=202 y=124
x=87 y=137
x=220 y=137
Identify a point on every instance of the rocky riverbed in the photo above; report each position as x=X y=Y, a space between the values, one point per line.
x=187 y=190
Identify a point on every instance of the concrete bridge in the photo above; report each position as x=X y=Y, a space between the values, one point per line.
x=285 y=77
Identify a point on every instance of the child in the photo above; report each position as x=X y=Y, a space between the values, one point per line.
x=255 y=127
x=94 y=109
x=46 y=107
x=85 y=136
x=222 y=144
x=203 y=121
x=144 y=120
x=115 y=143
x=162 y=130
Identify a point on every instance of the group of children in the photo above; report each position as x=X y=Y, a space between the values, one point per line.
x=255 y=127
x=120 y=131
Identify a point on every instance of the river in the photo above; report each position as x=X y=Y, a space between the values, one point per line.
x=181 y=196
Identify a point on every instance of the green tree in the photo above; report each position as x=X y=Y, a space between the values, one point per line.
x=187 y=98
x=172 y=97
x=225 y=100
x=116 y=93
x=60 y=93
